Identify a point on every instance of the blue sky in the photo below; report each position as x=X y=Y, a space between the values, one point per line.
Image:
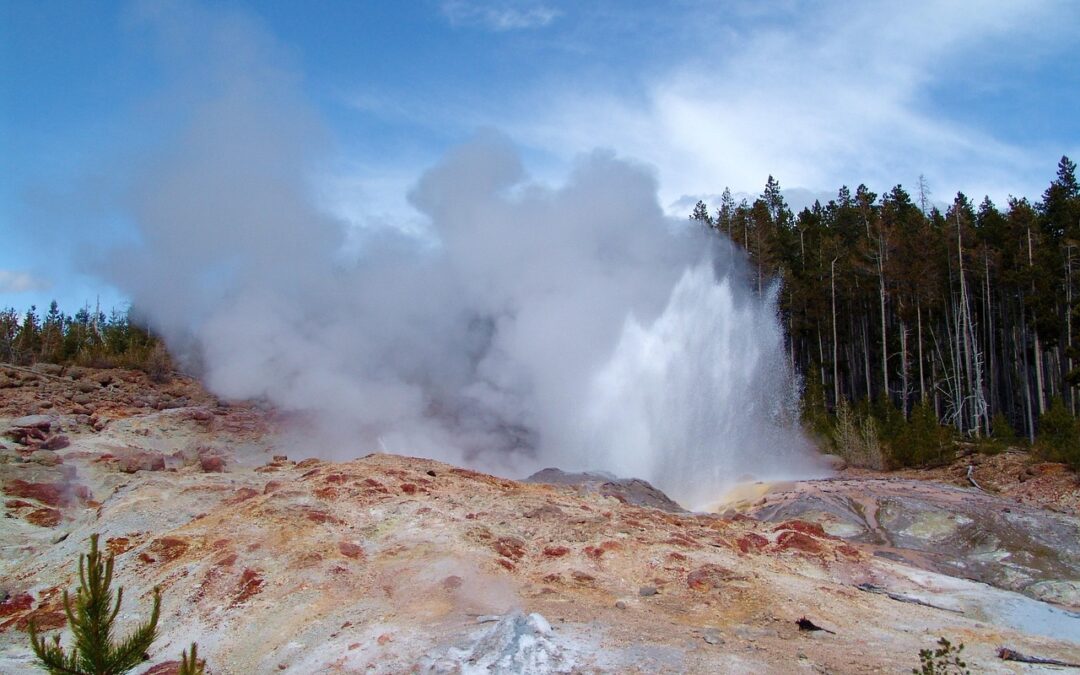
x=982 y=97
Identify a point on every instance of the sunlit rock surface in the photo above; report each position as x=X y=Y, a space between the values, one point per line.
x=957 y=531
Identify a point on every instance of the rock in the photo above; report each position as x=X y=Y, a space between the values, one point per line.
x=44 y=517
x=515 y=644
x=211 y=464
x=44 y=457
x=350 y=550
x=626 y=490
x=620 y=604
x=43 y=422
x=57 y=442
x=139 y=460
x=1058 y=591
x=708 y=577
x=87 y=386
x=712 y=637
x=48 y=368
x=167 y=549
x=12 y=604
x=53 y=494
x=791 y=539
x=647 y=591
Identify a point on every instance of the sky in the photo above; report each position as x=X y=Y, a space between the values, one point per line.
x=982 y=97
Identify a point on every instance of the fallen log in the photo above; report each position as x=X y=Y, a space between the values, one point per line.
x=1007 y=654
x=871 y=588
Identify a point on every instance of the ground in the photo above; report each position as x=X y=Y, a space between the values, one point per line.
x=395 y=564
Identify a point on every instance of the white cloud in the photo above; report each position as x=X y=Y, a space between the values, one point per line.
x=819 y=99
x=16 y=281
x=499 y=16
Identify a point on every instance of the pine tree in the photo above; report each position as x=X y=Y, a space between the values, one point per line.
x=91 y=618
x=191 y=664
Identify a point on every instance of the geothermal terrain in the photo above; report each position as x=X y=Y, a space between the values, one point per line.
x=277 y=561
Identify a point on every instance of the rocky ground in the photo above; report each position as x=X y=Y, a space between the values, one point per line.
x=393 y=564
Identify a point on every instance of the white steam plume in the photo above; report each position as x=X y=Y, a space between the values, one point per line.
x=573 y=326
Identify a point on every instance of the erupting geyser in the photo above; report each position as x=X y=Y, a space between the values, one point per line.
x=701 y=397
x=530 y=326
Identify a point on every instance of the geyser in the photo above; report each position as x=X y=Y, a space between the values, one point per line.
x=529 y=326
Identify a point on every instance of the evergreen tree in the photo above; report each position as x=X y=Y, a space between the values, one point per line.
x=91 y=618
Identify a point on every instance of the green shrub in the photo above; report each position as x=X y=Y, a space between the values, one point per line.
x=1059 y=435
x=856 y=438
x=945 y=660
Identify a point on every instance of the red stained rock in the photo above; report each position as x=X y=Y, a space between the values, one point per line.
x=335 y=478
x=53 y=494
x=676 y=556
x=251 y=583
x=555 y=551
x=350 y=550
x=167 y=549
x=791 y=539
x=684 y=541
x=320 y=517
x=310 y=461
x=408 y=488
x=227 y=561
x=243 y=494
x=509 y=547
x=708 y=577
x=507 y=564
x=57 y=442
x=848 y=551
x=201 y=415
x=596 y=552
x=384 y=638
x=16 y=504
x=271 y=486
x=582 y=577
x=327 y=493
x=211 y=464
x=164 y=668
x=44 y=517
x=20 y=602
x=452 y=582
x=117 y=545
x=140 y=461
x=751 y=542
x=803 y=526
x=43 y=620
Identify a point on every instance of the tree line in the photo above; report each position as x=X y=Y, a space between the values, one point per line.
x=892 y=304
x=89 y=338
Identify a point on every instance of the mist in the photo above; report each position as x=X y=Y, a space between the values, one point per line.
x=528 y=325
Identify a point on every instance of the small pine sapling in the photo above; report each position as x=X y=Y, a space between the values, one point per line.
x=91 y=618
x=191 y=664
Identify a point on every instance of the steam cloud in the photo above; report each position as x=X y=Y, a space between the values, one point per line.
x=573 y=326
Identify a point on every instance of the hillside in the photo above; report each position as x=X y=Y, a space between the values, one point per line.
x=277 y=561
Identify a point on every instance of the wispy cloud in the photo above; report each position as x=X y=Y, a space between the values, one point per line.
x=16 y=281
x=822 y=97
x=499 y=16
